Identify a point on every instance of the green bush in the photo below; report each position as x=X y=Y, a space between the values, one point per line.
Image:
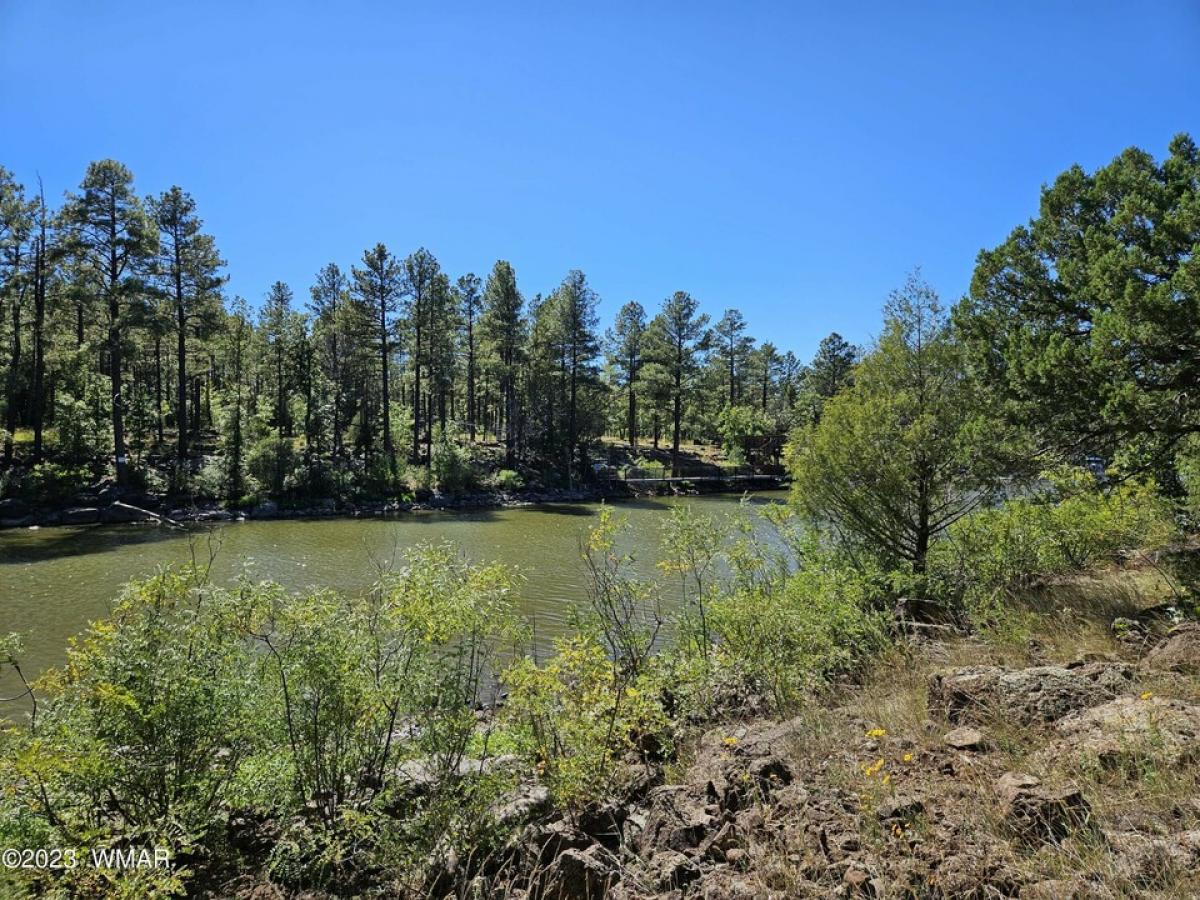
x=1075 y=525
x=506 y=480
x=793 y=635
x=192 y=701
x=452 y=467
x=54 y=484
x=577 y=716
x=272 y=461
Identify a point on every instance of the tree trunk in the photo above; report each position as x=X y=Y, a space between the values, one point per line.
x=388 y=450
x=39 y=348
x=158 y=387
x=181 y=414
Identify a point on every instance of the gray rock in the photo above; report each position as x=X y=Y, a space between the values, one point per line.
x=576 y=875
x=677 y=820
x=1178 y=652
x=966 y=738
x=1037 y=814
x=81 y=515
x=1131 y=728
x=1151 y=860
x=671 y=870
x=1026 y=696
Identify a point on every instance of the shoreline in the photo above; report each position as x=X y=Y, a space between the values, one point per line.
x=143 y=509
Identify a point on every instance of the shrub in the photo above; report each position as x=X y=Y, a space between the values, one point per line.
x=1075 y=525
x=507 y=480
x=795 y=634
x=577 y=716
x=53 y=483
x=271 y=461
x=452 y=467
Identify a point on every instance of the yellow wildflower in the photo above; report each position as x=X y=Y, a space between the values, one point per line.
x=877 y=733
x=908 y=757
x=729 y=741
x=1146 y=695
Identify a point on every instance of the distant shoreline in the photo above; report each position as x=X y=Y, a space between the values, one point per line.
x=147 y=510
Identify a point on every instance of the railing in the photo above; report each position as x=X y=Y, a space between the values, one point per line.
x=663 y=472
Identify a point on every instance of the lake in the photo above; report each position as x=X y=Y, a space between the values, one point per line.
x=53 y=581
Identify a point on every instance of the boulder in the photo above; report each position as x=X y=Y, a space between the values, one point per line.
x=1131 y=728
x=738 y=767
x=265 y=510
x=81 y=515
x=1150 y=860
x=1178 y=652
x=677 y=820
x=1040 y=694
x=1037 y=814
x=670 y=870
x=576 y=875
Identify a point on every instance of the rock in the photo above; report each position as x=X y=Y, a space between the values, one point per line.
x=528 y=802
x=1178 y=652
x=966 y=738
x=1150 y=860
x=735 y=855
x=858 y=880
x=1037 y=814
x=735 y=769
x=576 y=875
x=81 y=515
x=119 y=512
x=900 y=809
x=1026 y=696
x=677 y=820
x=1131 y=728
x=1066 y=889
x=13 y=508
x=671 y=870
x=265 y=510
x=604 y=824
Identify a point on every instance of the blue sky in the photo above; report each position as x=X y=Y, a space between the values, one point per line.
x=793 y=160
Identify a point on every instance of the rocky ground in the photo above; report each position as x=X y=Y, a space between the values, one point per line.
x=1057 y=766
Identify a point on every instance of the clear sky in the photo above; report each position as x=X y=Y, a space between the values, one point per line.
x=793 y=160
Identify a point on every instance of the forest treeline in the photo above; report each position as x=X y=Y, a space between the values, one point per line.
x=123 y=355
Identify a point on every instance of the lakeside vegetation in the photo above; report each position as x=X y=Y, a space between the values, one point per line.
x=950 y=495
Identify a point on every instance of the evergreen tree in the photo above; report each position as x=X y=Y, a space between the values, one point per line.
x=676 y=335
x=626 y=349
x=187 y=268
x=113 y=242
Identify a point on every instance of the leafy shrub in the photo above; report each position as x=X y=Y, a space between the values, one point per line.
x=453 y=469
x=53 y=484
x=793 y=635
x=271 y=461
x=506 y=480
x=1074 y=526
x=577 y=716
x=192 y=701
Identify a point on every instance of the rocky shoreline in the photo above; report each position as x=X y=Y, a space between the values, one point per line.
x=110 y=507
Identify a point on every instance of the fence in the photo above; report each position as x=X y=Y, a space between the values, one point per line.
x=662 y=472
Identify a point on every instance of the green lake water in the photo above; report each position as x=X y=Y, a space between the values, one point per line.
x=53 y=581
